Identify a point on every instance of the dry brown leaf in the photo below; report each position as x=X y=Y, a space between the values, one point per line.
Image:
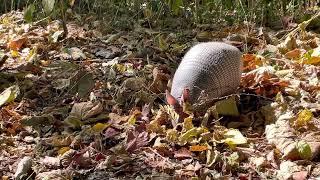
x=17 y=43
x=294 y=54
x=183 y=153
x=251 y=61
x=160 y=80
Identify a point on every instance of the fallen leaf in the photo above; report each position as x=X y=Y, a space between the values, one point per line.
x=234 y=137
x=55 y=174
x=63 y=150
x=304 y=150
x=9 y=95
x=304 y=117
x=51 y=162
x=136 y=140
x=17 y=43
x=227 y=107
x=99 y=127
x=85 y=110
x=213 y=156
x=183 y=153
x=233 y=159
x=198 y=148
x=287 y=168
x=301 y=175
x=294 y=54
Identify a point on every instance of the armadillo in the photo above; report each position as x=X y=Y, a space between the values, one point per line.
x=208 y=70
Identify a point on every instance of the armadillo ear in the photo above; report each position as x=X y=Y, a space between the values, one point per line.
x=170 y=99
x=185 y=95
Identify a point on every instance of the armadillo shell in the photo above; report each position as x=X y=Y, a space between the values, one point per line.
x=211 y=69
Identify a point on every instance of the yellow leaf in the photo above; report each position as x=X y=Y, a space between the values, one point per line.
x=187 y=124
x=159 y=144
x=121 y=68
x=31 y=54
x=177 y=48
x=162 y=43
x=304 y=117
x=172 y=135
x=204 y=35
x=99 y=127
x=234 y=137
x=155 y=127
x=187 y=108
x=252 y=61
x=147 y=13
x=71 y=2
x=9 y=95
x=59 y=141
x=191 y=135
x=314 y=58
x=316 y=52
x=45 y=62
x=6 y=21
x=233 y=159
x=132 y=120
x=14 y=53
x=63 y=150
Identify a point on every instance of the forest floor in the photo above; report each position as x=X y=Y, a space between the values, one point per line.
x=93 y=105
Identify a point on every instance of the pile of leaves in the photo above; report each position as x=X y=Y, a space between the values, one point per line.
x=92 y=106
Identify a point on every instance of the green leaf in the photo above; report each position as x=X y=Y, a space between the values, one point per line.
x=188 y=136
x=132 y=120
x=191 y=135
x=73 y=122
x=162 y=43
x=48 y=6
x=304 y=150
x=227 y=107
x=28 y=13
x=229 y=4
x=175 y=5
x=9 y=95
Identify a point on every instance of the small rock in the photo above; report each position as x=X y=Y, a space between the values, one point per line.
x=28 y=139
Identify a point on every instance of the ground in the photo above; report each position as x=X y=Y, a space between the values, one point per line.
x=93 y=105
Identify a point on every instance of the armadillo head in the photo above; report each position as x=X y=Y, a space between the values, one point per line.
x=185 y=97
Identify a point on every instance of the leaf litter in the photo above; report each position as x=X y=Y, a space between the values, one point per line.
x=93 y=106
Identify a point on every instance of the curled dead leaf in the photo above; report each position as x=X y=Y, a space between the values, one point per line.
x=17 y=43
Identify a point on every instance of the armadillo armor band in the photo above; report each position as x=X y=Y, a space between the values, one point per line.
x=211 y=69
